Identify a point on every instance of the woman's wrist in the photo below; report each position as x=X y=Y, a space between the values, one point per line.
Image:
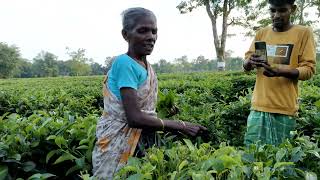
x=162 y=124
x=183 y=125
x=171 y=125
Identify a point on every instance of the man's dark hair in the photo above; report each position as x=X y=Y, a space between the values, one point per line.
x=281 y=2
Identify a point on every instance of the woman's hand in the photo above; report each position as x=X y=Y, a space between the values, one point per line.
x=192 y=129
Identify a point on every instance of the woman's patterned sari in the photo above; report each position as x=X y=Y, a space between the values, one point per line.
x=115 y=140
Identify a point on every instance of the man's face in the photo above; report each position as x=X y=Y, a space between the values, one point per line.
x=280 y=15
x=143 y=36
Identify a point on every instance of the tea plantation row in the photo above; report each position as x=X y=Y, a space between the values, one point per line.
x=47 y=130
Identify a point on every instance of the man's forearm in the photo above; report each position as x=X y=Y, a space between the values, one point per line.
x=289 y=73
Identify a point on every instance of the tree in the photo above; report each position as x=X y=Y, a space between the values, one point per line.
x=78 y=63
x=23 y=69
x=45 y=64
x=182 y=64
x=200 y=64
x=257 y=15
x=217 y=9
x=108 y=63
x=251 y=14
x=9 y=57
x=234 y=63
x=97 y=69
x=163 y=66
x=64 y=68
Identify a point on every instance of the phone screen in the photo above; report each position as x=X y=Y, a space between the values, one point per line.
x=261 y=49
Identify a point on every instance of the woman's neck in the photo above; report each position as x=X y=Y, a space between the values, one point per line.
x=140 y=59
x=137 y=57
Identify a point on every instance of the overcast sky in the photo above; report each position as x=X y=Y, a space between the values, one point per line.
x=95 y=25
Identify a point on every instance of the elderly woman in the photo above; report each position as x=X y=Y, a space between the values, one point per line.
x=129 y=120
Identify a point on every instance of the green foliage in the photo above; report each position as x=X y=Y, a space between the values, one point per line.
x=44 y=141
x=78 y=63
x=47 y=128
x=200 y=64
x=166 y=104
x=318 y=63
x=257 y=15
x=217 y=10
x=188 y=161
x=45 y=64
x=9 y=57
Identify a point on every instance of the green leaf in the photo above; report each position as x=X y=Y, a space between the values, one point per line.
x=173 y=175
x=4 y=115
x=83 y=147
x=80 y=162
x=50 y=154
x=41 y=176
x=183 y=164
x=72 y=169
x=17 y=157
x=297 y=154
x=64 y=157
x=317 y=103
x=229 y=162
x=47 y=175
x=28 y=166
x=3 y=172
x=83 y=141
x=35 y=177
x=35 y=144
x=280 y=154
x=60 y=141
x=248 y=158
x=198 y=176
x=314 y=153
x=51 y=137
x=217 y=164
x=281 y=164
x=310 y=176
x=134 y=161
x=135 y=177
x=189 y=144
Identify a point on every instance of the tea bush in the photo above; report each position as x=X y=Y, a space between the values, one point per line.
x=47 y=130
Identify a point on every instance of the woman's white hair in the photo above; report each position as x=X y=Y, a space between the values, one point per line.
x=132 y=15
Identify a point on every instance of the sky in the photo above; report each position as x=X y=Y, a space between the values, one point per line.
x=95 y=25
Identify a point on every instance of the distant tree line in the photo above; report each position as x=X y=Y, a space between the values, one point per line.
x=46 y=64
x=199 y=64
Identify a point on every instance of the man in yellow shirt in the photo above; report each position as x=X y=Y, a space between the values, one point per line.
x=291 y=57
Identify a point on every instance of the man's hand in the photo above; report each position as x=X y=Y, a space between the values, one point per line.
x=277 y=72
x=271 y=72
x=253 y=62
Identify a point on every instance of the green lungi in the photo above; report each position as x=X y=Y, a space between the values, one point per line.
x=268 y=128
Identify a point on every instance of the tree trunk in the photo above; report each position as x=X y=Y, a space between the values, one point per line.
x=219 y=43
x=301 y=20
x=221 y=59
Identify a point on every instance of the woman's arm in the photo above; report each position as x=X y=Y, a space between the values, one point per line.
x=137 y=119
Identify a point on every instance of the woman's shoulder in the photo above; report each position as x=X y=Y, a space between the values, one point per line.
x=122 y=60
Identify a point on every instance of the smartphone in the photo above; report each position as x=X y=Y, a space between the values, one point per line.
x=261 y=50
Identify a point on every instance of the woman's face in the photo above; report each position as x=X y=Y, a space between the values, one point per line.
x=142 y=37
